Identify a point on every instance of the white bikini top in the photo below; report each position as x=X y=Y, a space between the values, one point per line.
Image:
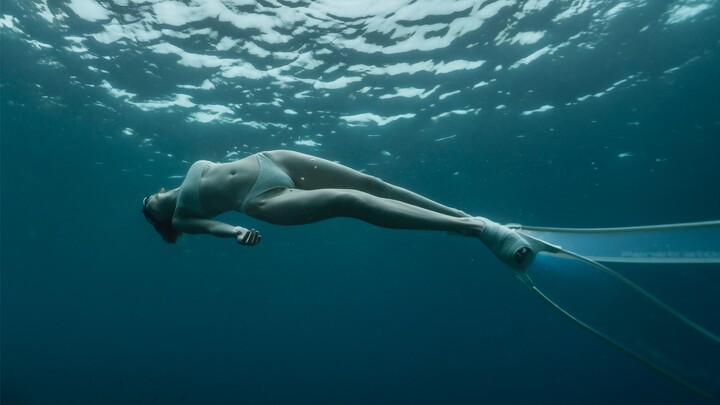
x=189 y=197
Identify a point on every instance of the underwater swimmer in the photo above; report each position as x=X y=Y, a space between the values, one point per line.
x=290 y=188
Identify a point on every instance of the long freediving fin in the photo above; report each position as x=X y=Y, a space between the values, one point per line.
x=697 y=242
x=623 y=314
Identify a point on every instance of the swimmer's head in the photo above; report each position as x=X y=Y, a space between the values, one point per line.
x=146 y=212
x=163 y=226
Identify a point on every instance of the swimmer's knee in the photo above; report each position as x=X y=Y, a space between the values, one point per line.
x=347 y=197
x=373 y=185
x=348 y=202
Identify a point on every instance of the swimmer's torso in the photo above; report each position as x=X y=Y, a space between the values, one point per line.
x=223 y=186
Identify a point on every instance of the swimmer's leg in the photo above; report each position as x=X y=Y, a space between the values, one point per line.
x=296 y=207
x=313 y=173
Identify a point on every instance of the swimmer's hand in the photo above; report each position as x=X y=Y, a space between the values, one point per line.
x=247 y=237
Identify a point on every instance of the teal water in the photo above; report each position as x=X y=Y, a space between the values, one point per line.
x=567 y=113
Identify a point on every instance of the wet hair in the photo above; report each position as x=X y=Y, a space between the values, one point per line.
x=165 y=228
x=168 y=232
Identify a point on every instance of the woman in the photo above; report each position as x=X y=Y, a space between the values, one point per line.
x=291 y=188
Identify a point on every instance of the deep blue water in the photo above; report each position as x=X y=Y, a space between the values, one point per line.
x=104 y=102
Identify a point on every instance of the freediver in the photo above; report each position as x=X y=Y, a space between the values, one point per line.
x=290 y=188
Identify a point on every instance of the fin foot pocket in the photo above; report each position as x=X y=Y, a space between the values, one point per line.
x=508 y=245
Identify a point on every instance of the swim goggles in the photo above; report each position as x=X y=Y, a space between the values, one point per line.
x=148 y=216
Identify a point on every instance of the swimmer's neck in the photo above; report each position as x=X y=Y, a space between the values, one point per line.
x=167 y=201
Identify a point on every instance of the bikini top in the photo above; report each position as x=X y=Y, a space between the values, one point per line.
x=189 y=197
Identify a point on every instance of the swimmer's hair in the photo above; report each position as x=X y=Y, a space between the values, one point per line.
x=168 y=232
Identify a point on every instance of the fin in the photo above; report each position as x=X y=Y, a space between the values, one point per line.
x=615 y=309
x=507 y=244
x=697 y=242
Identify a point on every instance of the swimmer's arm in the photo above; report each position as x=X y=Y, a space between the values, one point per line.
x=206 y=226
x=243 y=236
